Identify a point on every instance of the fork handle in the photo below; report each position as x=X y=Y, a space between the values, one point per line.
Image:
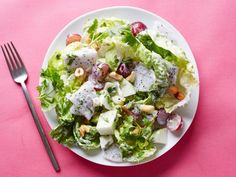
x=40 y=129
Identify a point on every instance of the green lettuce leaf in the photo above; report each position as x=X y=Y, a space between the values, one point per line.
x=111 y=59
x=140 y=155
x=185 y=78
x=134 y=140
x=53 y=91
x=63 y=134
x=46 y=96
x=100 y=29
x=147 y=41
x=90 y=140
x=185 y=81
x=92 y=29
x=50 y=84
x=56 y=61
x=52 y=75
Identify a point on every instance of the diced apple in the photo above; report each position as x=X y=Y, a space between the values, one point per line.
x=160 y=136
x=106 y=122
x=118 y=99
x=106 y=141
x=127 y=88
x=105 y=101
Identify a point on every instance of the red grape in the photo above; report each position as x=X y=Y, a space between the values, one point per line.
x=174 y=122
x=137 y=27
x=123 y=70
x=100 y=71
x=162 y=116
x=72 y=38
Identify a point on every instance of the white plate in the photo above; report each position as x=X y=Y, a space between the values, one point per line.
x=132 y=14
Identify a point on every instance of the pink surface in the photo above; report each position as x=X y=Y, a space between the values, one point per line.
x=208 y=148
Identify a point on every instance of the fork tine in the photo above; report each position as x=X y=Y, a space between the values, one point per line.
x=5 y=56
x=14 y=57
x=9 y=56
x=18 y=56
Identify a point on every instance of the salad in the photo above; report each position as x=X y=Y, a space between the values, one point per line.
x=116 y=88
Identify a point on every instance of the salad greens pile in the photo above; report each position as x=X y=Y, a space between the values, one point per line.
x=115 y=87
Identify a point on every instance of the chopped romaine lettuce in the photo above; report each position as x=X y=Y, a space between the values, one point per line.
x=147 y=41
x=134 y=140
x=90 y=140
x=63 y=134
x=46 y=95
x=56 y=61
x=92 y=29
x=184 y=80
x=142 y=154
x=112 y=59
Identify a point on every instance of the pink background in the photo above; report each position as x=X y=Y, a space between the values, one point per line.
x=207 y=149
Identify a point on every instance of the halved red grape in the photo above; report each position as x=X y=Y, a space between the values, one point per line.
x=105 y=69
x=100 y=71
x=137 y=27
x=174 y=122
x=162 y=116
x=123 y=70
x=72 y=38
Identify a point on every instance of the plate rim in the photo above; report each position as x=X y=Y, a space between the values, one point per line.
x=196 y=73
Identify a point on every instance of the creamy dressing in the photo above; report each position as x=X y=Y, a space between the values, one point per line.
x=82 y=100
x=144 y=79
x=85 y=57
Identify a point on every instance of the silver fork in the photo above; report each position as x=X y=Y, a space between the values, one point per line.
x=19 y=75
